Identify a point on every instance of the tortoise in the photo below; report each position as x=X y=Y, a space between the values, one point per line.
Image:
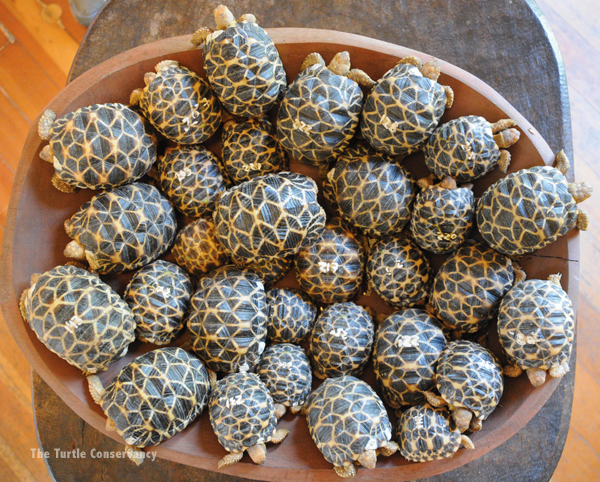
x=468 y=147
x=154 y=397
x=159 y=295
x=404 y=107
x=285 y=370
x=190 y=177
x=291 y=316
x=100 y=146
x=242 y=64
x=196 y=248
x=178 y=103
x=469 y=286
x=242 y=415
x=271 y=270
x=349 y=424
x=250 y=149
x=536 y=325
x=78 y=317
x=373 y=191
x=442 y=217
x=426 y=433
x=320 y=110
x=407 y=346
x=228 y=319
x=532 y=208
x=330 y=270
x=398 y=271
x=472 y=395
x=271 y=216
x=341 y=341
x=121 y=229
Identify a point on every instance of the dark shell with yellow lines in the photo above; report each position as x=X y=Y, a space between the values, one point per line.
x=271 y=270
x=291 y=316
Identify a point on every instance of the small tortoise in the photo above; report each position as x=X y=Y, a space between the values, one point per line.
x=536 y=325
x=96 y=147
x=425 y=433
x=159 y=295
x=532 y=208
x=469 y=286
x=178 y=103
x=372 y=190
x=469 y=147
x=191 y=179
x=196 y=248
x=469 y=380
x=251 y=149
x=404 y=107
x=349 y=424
x=330 y=270
x=270 y=216
x=242 y=415
x=341 y=341
x=442 y=217
x=271 y=270
x=228 y=319
x=121 y=229
x=242 y=64
x=153 y=398
x=320 y=110
x=398 y=271
x=285 y=370
x=78 y=317
x=291 y=316
x=407 y=346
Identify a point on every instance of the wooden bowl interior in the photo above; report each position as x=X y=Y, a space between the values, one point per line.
x=38 y=239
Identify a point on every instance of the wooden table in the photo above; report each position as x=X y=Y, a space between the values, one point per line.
x=506 y=43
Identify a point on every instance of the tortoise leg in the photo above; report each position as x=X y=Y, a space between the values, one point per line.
x=449 y=96
x=507 y=137
x=46 y=154
x=434 y=400
x=559 y=371
x=389 y=448
x=431 y=69
x=279 y=410
x=411 y=59
x=279 y=435
x=111 y=426
x=504 y=160
x=96 y=388
x=62 y=186
x=75 y=250
x=230 y=459
x=475 y=425
x=212 y=378
x=361 y=78
x=583 y=220
x=368 y=459
x=467 y=442
x=562 y=162
x=501 y=125
x=346 y=471
x=135 y=454
x=258 y=453
x=312 y=59
x=511 y=371
x=462 y=417
x=247 y=17
x=340 y=64
x=536 y=377
x=297 y=408
x=199 y=36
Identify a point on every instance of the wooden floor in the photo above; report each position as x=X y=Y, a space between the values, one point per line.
x=34 y=68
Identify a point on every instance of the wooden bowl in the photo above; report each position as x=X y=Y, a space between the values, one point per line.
x=35 y=238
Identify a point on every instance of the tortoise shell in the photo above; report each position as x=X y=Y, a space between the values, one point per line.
x=98 y=147
x=271 y=216
x=442 y=219
x=123 y=229
x=469 y=286
x=330 y=270
x=179 y=104
x=228 y=319
x=250 y=149
x=341 y=341
x=425 y=433
x=196 y=248
x=191 y=179
x=271 y=270
x=291 y=316
x=285 y=370
x=463 y=148
x=374 y=193
x=244 y=69
x=159 y=295
x=242 y=413
x=78 y=317
x=526 y=211
x=459 y=384
x=345 y=418
x=536 y=325
x=398 y=271
x=402 y=110
x=407 y=346
x=156 y=396
x=318 y=115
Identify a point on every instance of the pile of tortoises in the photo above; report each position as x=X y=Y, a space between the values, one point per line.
x=212 y=235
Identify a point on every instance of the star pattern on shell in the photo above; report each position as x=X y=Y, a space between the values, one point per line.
x=79 y=317
x=291 y=316
x=271 y=270
x=156 y=396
